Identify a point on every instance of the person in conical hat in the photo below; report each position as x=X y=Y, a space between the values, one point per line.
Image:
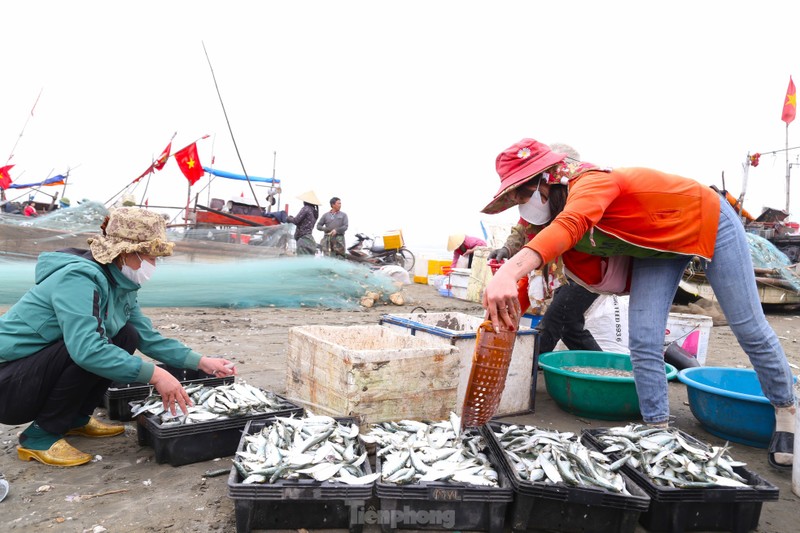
x=463 y=245
x=75 y=332
x=305 y=220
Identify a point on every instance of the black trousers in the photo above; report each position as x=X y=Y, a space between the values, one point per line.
x=50 y=389
x=564 y=319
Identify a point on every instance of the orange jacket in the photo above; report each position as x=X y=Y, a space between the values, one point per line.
x=643 y=207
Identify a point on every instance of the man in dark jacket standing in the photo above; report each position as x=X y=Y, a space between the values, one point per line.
x=334 y=224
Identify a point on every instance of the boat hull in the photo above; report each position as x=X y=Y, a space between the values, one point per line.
x=215 y=219
x=27 y=242
x=769 y=295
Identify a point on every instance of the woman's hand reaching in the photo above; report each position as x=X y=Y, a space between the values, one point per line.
x=171 y=391
x=500 y=297
x=217 y=366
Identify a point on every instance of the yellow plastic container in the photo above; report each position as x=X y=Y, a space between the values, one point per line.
x=393 y=239
x=436 y=266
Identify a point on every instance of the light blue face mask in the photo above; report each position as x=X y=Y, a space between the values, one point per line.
x=143 y=274
x=534 y=211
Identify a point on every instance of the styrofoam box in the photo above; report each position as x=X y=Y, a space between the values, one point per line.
x=460 y=330
x=459 y=277
x=682 y=327
x=459 y=281
x=459 y=292
x=371 y=373
x=438 y=280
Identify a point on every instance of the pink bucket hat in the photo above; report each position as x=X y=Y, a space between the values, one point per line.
x=515 y=165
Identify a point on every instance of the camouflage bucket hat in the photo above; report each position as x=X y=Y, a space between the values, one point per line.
x=131 y=230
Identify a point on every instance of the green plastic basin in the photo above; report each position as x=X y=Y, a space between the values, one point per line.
x=589 y=395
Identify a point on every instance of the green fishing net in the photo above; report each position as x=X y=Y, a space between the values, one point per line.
x=766 y=255
x=293 y=282
x=84 y=217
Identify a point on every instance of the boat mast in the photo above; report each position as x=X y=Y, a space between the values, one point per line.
x=272 y=185
x=787 y=167
x=746 y=167
x=11 y=155
x=228 y=122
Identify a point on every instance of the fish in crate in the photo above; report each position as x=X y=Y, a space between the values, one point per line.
x=211 y=403
x=315 y=447
x=412 y=452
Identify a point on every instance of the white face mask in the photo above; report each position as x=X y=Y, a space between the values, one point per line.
x=534 y=211
x=144 y=273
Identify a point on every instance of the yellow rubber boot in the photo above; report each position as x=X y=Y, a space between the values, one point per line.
x=95 y=428
x=59 y=454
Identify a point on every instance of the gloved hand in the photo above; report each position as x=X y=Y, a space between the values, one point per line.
x=499 y=254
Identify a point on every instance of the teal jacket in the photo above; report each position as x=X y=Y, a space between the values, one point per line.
x=86 y=304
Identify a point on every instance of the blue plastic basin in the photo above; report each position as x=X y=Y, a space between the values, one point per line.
x=729 y=403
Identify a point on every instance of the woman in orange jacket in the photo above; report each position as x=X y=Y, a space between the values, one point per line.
x=635 y=230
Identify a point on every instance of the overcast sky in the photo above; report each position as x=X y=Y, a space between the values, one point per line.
x=399 y=108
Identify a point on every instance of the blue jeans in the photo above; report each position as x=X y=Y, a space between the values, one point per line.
x=731 y=275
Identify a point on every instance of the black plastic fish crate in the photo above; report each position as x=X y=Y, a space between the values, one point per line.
x=735 y=509
x=439 y=505
x=297 y=503
x=560 y=507
x=119 y=395
x=200 y=441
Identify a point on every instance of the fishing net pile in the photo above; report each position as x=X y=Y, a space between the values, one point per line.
x=280 y=236
x=87 y=216
x=290 y=282
x=767 y=256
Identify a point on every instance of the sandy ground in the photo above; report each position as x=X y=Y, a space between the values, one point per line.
x=126 y=490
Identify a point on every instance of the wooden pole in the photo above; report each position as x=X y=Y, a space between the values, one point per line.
x=787 y=167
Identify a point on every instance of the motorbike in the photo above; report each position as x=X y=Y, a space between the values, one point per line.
x=366 y=251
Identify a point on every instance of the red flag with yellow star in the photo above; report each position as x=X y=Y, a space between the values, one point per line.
x=790 y=104
x=189 y=163
x=5 y=179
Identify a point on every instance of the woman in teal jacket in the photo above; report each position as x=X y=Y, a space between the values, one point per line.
x=75 y=331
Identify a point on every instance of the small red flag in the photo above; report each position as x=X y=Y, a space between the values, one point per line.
x=162 y=159
x=189 y=163
x=790 y=104
x=150 y=169
x=5 y=179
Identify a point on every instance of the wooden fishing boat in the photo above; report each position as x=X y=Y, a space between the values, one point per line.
x=232 y=230
x=27 y=242
x=209 y=236
x=773 y=292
